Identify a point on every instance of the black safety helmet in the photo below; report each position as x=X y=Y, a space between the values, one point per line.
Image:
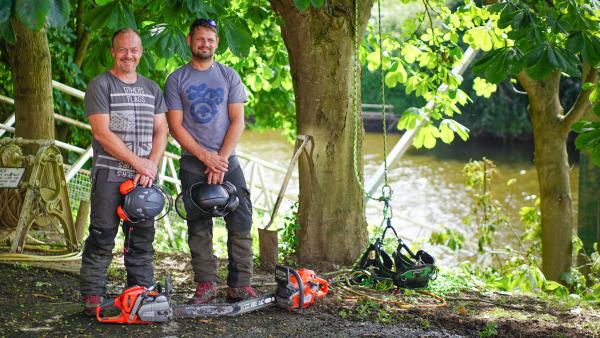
x=142 y=204
x=207 y=200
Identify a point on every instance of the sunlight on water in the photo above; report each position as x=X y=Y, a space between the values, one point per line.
x=428 y=185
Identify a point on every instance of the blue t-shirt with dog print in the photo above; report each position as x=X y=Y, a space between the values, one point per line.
x=203 y=97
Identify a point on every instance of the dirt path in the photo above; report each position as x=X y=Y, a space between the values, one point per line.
x=36 y=302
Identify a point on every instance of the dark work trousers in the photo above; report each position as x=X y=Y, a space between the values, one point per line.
x=238 y=223
x=104 y=225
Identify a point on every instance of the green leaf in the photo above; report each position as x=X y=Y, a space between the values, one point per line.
x=587 y=85
x=410 y=53
x=373 y=61
x=431 y=133
x=390 y=80
x=5 y=10
x=7 y=33
x=198 y=8
x=479 y=37
x=595 y=95
x=591 y=49
x=587 y=140
x=58 y=15
x=409 y=118
x=483 y=88
x=302 y=4
x=446 y=134
x=317 y=3
x=578 y=126
x=538 y=63
x=552 y=285
x=32 y=13
x=576 y=42
x=564 y=60
x=494 y=65
x=239 y=37
x=112 y=16
x=169 y=41
x=459 y=129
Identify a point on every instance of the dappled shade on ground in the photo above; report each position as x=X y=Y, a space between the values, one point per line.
x=40 y=302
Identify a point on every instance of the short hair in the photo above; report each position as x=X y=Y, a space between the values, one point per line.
x=208 y=23
x=123 y=31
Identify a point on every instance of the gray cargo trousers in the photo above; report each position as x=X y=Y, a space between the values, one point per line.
x=238 y=223
x=104 y=225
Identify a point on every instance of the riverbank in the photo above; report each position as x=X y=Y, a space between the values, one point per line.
x=37 y=302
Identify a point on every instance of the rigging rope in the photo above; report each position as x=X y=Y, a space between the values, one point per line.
x=386 y=191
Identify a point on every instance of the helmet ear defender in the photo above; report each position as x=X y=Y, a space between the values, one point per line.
x=142 y=204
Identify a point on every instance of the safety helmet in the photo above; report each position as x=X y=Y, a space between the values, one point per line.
x=141 y=203
x=207 y=200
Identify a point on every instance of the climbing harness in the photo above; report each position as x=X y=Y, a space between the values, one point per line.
x=405 y=270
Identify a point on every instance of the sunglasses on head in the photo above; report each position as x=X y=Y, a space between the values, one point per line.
x=210 y=22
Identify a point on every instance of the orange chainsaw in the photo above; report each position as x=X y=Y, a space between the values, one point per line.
x=141 y=305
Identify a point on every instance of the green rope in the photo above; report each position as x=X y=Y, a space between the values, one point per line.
x=355 y=102
x=385 y=165
x=386 y=189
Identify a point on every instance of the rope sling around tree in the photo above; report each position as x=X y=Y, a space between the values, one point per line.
x=408 y=270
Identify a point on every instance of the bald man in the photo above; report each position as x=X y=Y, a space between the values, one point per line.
x=127 y=114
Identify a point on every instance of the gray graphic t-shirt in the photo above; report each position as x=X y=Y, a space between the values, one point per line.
x=203 y=97
x=131 y=108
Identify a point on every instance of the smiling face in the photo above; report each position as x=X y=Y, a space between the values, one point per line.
x=126 y=52
x=203 y=43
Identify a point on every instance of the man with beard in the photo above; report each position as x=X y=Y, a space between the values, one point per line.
x=205 y=102
x=127 y=115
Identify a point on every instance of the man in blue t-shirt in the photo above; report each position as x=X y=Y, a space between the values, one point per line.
x=205 y=102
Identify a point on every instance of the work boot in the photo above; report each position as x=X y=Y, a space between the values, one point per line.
x=206 y=292
x=90 y=303
x=239 y=294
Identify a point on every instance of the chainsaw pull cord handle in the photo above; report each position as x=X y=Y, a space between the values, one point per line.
x=105 y=305
x=323 y=286
x=300 y=288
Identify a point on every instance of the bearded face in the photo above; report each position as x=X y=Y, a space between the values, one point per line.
x=203 y=43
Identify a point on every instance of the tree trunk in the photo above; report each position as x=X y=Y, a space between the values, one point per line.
x=332 y=222
x=32 y=80
x=552 y=165
x=589 y=196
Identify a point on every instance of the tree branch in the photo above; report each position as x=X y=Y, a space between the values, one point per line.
x=79 y=29
x=82 y=48
x=582 y=104
x=526 y=82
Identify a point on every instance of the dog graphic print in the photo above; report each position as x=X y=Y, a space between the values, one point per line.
x=205 y=102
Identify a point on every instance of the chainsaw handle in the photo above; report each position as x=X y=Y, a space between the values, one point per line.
x=105 y=305
x=323 y=286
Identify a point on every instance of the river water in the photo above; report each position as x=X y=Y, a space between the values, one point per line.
x=428 y=185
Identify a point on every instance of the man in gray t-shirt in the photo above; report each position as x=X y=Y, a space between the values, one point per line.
x=206 y=116
x=127 y=115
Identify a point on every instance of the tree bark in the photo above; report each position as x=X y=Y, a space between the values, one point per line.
x=552 y=165
x=588 y=208
x=333 y=228
x=588 y=217
x=32 y=81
